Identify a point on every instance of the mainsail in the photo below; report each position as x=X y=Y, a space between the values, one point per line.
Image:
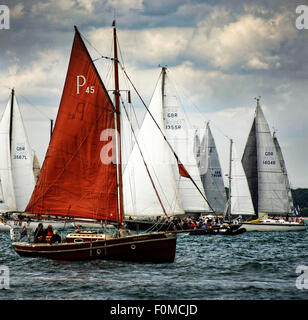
x=211 y=173
x=263 y=169
x=139 y=196
x=181 y=137
x=16 y=159
x=78 y=177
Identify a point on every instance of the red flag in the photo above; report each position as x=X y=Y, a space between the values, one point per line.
x=183 y=172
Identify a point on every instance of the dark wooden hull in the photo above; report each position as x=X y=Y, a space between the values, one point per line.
x=153 y=247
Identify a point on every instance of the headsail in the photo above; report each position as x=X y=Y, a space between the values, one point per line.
x=241 y=203
x=78 y=176
x=284 y=170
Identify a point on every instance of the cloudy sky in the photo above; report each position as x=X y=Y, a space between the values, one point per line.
x=221 y=54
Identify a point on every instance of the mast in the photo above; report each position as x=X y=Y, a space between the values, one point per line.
x=11 y=118
x=164 y=71
x=118 y=126
x=230 y=180
x=51 y=127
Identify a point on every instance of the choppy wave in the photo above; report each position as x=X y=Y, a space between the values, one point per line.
x=248 y=266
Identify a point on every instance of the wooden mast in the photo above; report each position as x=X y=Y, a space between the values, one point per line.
x=118 y=126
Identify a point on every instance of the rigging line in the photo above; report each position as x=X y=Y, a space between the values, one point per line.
x=147 y=169
x=180 y=103
x=185 y=97
x=169 y=145
x=108 y=58
x=35 y=107
x=199 y=111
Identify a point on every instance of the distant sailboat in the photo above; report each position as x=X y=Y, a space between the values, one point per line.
x=270 y=193
x=17 y=161
x=211 y=172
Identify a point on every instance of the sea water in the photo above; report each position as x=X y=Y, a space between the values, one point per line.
x=253 y=265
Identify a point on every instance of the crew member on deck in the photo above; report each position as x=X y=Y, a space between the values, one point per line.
x=49 y=233
x=39 y=234
x=55 y=238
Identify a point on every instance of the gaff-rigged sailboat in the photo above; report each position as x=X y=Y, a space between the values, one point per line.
x=81 y=176
x=17 y=163
x=266 y=175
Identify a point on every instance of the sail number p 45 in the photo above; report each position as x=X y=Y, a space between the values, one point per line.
x=81 y=82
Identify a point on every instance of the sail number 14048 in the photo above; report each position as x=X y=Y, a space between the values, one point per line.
x=269 y=162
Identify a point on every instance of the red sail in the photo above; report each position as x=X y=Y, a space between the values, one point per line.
x=78 y=178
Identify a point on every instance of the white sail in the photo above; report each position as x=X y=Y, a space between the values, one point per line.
x=22 y=161
x=182 y=138
x=140 y=198
x=284 y=170
x=211 y=173
x=16 y=159
x=9 y=202
x=241 y=203
x=263 y=169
